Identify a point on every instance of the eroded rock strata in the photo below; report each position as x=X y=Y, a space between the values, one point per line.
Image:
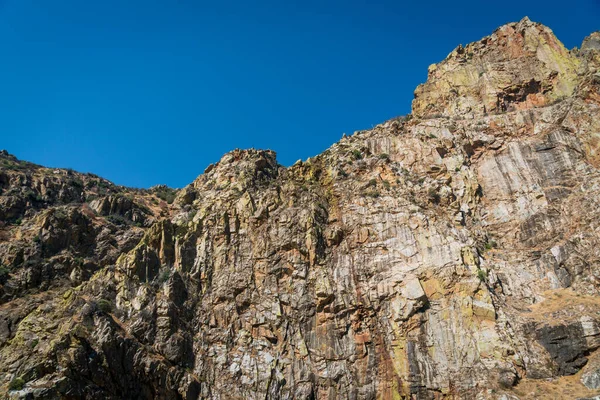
x=453 y=253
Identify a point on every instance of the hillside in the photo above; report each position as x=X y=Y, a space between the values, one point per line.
x=453 y=253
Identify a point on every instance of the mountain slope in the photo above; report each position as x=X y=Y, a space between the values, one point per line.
x=453 y=253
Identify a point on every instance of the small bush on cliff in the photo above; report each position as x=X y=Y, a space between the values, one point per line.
x=372 y=193
x=164 y=276
x=4 y=271
x=16 y=384
x=490 y=245
x=433 y=196
x=104 y=305
x=117 y=219
x=164 y=193
x=482 y=275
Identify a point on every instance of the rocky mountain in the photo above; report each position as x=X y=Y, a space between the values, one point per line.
x=450 y=254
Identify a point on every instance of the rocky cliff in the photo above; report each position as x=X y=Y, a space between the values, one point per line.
x=452 y=253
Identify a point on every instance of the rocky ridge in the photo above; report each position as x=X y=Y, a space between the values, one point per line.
x=452 y=253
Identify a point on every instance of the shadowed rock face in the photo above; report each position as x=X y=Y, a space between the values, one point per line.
x=451 y=254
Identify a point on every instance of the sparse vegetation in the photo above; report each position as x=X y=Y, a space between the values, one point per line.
x=104 y=306
x=4 y=271
x=490 y=244
x=164 y=193
x=16 y=384
x=117 y=219
x=164 y=276
x=482 y=275
x=433 y=195
x=384 y=156
x=357 y=154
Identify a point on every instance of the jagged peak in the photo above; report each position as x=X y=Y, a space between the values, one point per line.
x=591 y=42
x=238 y=156
x=239 y=165
x=6 y=154
x=520 y=65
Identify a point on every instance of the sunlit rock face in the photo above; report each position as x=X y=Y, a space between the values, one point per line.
x=518 y=67
x=453 y=253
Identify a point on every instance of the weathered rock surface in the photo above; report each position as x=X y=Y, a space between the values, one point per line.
x=454 y=253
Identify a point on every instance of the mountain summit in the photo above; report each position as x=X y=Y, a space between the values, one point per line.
x=450 y=254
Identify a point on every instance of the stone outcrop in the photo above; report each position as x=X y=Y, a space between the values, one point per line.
x=453 y=253
x=518 y=67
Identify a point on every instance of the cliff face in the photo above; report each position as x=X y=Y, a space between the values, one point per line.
x=451 y=254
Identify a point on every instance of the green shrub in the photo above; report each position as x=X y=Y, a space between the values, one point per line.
x=384 y=156
x=4 y=271
x=357 y=154
x=490 y=244
x=482 y=275
x=16 y=384
x=117 y=219
x=104 y=305
x=164 y=193
x=164 y=276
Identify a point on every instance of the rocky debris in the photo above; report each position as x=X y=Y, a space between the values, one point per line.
x=453 y=253
x=591 y=379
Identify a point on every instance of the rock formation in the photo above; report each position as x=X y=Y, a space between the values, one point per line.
x=450 y=254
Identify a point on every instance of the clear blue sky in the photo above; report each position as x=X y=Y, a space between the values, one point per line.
x=149 y=92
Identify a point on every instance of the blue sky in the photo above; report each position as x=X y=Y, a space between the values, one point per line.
x=150 y=92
